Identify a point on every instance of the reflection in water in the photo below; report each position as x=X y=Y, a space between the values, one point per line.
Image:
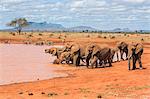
x=22 y=63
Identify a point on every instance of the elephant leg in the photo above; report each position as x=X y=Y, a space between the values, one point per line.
x=117 y=56
x=140 y=62
x=129 y=63
x=105 y=62
x=134 y=62
x=87 y=60
x=121 y=54
x=67 y=62
x=110 y=61
x=96 y=64
x=126 y=54
x=87 y=63
x=76 y=60
x=100 y=63
x=94 y=61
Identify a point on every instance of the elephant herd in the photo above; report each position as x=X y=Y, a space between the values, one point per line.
x=96 y=55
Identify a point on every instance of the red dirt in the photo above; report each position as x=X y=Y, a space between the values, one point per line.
x=82 y=83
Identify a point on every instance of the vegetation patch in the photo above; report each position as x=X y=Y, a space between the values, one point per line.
x=52 y=94
x=84 y=90
x=66 y=93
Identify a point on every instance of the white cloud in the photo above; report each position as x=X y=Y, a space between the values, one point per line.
x=11 y=1
x=135 y=1
x=76 y=11
x=75 y=5
x=118 y=8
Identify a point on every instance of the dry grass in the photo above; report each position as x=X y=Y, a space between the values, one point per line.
x=64 y=37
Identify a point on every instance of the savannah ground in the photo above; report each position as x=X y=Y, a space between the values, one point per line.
x=83 y=83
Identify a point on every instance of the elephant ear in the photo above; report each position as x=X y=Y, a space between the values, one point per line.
x=75 y=48
x=87 y=50
x=67 y=54
x=124 y=45
x=118 y=45
x=96 y=49
x=131 y=47
x=113 y=51
x=139 y=48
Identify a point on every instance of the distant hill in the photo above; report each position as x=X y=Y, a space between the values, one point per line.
x=122 y=30
x=82 y=28
x=128 y=30
x=43 y=26
x=145 y=31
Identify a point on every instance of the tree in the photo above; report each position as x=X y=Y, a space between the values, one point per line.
x=18 y=24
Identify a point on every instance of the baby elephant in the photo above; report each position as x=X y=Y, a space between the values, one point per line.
x=135 y=53
x=64 y=56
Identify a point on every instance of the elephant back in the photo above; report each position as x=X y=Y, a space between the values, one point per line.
x=104 y=53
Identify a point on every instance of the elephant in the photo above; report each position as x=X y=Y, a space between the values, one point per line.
x=54 y=51
x=90 y=50
x=103 y=54
x=78 y=52
x=113 y=52
x=123 y=48
x=74 y=50
x=64 y=56
x=135 y=53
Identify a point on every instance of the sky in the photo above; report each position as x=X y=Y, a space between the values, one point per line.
x=100 y=14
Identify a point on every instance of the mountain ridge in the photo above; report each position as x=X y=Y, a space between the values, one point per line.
x=44 y=26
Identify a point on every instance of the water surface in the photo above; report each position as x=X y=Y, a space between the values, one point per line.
x=23 y=63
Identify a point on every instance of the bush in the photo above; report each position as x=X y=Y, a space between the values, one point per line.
x=105 y=37
x=88 y=36
x=30 y=35
x=65 y=36
x=112 y=37
x=142 y=39
x=51 y=35
x=52 y=94
x=125 y=34
x=50 y=43
x=99 y=36
x=40 y=34
x=59 y=37
x=99 y=96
